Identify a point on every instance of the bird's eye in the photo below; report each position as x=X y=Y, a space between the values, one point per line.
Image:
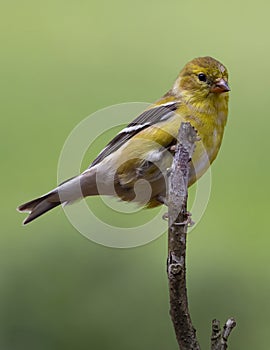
x=202 y=77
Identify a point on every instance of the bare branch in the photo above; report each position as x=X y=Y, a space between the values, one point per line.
x=219 y=340
x=216 y=335
x=228 y=327
x=179 y=219
x=177 y=232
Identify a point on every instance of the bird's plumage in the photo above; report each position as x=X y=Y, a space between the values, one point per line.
x=143 y=150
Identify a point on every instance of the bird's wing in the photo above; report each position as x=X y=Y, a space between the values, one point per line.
x=148 y=118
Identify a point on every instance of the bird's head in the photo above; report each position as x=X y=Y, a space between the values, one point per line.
x=201 y=78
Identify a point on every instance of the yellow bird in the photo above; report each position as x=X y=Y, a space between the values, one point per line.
x=143 y=150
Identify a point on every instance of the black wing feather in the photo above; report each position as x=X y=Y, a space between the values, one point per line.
x=147 y=118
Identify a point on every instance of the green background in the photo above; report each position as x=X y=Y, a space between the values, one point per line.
x=63 y=60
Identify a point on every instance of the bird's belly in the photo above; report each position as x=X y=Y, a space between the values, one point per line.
x=145 y=180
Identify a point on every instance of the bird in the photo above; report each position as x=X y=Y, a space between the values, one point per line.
x=140 y=154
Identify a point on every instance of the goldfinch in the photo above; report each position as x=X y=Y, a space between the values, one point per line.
x=144 y=149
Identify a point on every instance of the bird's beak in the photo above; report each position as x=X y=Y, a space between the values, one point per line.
x=220 y=86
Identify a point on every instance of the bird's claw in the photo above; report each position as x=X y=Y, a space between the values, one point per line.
x=189 y=222
x=173 y=148
x=165 y=216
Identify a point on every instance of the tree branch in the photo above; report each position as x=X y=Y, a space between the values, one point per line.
x=219 y=340
x=177 y=232
x=178 y=218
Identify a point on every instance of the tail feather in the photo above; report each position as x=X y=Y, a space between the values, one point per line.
x=66 y=193
x=39 y=206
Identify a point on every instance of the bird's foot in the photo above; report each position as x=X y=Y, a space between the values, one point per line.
x=165 y=216
x=189 y=222
x=173 y=148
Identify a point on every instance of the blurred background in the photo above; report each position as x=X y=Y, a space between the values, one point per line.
x=63 y=60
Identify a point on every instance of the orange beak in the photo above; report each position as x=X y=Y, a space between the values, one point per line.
x=220 y=86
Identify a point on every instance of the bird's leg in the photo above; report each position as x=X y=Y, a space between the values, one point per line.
x=162 y=199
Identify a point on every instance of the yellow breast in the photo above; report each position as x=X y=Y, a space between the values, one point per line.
x=147 y=155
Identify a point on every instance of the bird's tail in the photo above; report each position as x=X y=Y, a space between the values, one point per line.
x=67 y=192
x=39 y=206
